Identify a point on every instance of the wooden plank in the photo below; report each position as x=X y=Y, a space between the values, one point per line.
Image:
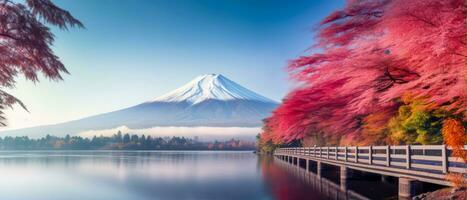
x=430 y=147
x=458 y=170
x=380 y=155
x=379 y=147
x=430 y=167
x=397 y=156
x=429 y=158
x=362 y=160
x=400 y=164
x=465 y=147
x=380 y=162
x=455 y=159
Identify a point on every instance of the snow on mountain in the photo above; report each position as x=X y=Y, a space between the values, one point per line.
x=207 y=101
x=211 y=86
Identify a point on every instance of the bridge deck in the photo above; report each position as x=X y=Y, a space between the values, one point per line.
x=328 y=188
x=426 y=163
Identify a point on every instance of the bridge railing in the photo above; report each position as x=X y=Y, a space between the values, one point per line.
x=427 y=158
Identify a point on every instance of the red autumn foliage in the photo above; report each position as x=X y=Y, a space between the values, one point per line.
x=371 y=52
x=25 y=43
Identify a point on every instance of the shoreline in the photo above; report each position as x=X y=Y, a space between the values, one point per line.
x=444 y=194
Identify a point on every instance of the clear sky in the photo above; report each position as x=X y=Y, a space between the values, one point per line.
x=133 y=51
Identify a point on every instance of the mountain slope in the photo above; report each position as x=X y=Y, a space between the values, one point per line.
x=210 y=100
x=209 y=87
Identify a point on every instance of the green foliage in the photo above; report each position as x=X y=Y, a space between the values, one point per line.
x=417 y=123
x=268 y=147
x=265 y=147
x=118 y=142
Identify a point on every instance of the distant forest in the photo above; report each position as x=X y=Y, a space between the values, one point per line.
x=119 y=141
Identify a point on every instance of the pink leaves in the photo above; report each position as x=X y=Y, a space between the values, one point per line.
x=25 y=43
x=372 y=53
x=46 y=10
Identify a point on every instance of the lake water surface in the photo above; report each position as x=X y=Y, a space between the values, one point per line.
x=134 y=175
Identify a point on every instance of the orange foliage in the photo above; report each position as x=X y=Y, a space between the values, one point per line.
x=457 y=179
x=375 y=129
x=348 y=140
x=455 y=137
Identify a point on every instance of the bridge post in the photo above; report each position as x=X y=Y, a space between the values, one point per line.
x=388 y=156
x=336 y=153
x=307 y=165
x=408 y=188
x=444 y=156
x=319 y=169
x=343 y=177
x=345 y=152
x=407 y=156
x=356 y=154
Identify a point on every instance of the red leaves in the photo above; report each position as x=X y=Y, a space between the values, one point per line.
x=25 y=43
x=372 y=52
x=53 y=14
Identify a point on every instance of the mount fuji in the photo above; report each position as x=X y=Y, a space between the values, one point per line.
x=210 y=100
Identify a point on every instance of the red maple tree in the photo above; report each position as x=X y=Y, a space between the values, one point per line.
x=372 y=52
x=25 y=43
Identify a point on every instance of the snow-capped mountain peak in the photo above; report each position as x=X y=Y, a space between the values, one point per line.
x=207 y=101
x=211 y=86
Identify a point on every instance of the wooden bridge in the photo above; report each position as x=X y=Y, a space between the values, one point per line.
x=328 y=189
x=411 y=163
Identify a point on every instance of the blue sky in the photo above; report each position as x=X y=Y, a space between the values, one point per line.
x=134 y=51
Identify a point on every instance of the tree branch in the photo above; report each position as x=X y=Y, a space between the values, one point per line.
x=8 y=36
x=422 y=19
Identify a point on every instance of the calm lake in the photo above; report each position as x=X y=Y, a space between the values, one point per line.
x=135 y=175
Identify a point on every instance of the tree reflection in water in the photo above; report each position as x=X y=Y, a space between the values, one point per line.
x=285 y=181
